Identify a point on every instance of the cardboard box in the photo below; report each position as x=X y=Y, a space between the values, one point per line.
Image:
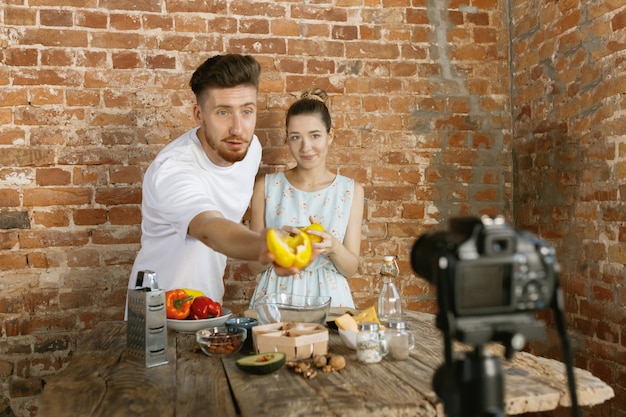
x=296 y=340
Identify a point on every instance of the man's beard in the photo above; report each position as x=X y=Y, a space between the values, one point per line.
x=227 y=155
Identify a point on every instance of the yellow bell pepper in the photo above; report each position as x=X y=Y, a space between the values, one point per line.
x=193 y=293
x=314 y=226
x=290 y=251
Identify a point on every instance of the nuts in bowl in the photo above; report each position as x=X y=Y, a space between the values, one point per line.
x=217 y=341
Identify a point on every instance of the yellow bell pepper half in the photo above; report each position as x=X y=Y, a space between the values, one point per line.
x=290 y=250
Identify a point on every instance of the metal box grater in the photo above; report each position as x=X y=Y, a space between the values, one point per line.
x=146 y=334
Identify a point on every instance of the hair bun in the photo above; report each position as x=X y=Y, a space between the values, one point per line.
x=314 y=94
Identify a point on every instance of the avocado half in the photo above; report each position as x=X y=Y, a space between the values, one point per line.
x=262 y=363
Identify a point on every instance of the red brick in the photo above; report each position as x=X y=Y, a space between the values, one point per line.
x=126 y=60
x=270 y=46
x=82 y=97
x=94 y=216
x=91 y=19
x=125 y=215
x=137 y=5
x=124 y=21
x=116 y=236
x=36 y=239
x=51 y=37
x=75 y=299
x=25 y=57
x=115 y=40
x=53 y=17
x=20 y=16
x=34 y=116
x=56 y=57
x=126 y=174
x=56 y=196
x=119 y=257
x=118 y=195
x=12 y=260
x=52 y=176
x=151 y=21
x=83 y=258
x=161 y=61
x=9 y=198
x=10 y=136
x=54 y=218
x=413 y=211
x=90 y=175
x=8 y=239
x=269 y=9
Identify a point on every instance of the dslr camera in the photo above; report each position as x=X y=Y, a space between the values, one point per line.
x=490 y=280
x=488 y=276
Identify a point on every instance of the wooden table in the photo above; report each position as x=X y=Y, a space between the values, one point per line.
x=100 y=382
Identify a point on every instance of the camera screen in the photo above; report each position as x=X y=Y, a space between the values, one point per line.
x=483 y=286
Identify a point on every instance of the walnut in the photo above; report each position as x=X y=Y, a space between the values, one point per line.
x=319 y=361
x=337 y=362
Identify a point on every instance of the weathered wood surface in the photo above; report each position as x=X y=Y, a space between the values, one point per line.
x=101 y=382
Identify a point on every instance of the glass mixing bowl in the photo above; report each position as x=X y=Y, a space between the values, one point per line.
x=281 y=307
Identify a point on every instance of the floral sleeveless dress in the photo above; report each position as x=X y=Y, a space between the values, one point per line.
x=286 y=205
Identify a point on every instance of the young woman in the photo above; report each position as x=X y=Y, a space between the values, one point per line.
x=310 y=193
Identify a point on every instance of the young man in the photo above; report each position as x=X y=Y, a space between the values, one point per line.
x=198 y=188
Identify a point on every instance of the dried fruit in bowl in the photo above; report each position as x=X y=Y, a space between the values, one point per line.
x=291 y=250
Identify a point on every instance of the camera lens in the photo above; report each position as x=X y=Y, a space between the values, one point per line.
x=425 y=254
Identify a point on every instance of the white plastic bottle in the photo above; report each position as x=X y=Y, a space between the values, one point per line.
x=389 y=300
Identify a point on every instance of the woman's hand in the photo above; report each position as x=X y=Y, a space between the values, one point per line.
x=327 y=245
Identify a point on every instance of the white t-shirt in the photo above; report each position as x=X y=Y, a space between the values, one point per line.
x=179 y=184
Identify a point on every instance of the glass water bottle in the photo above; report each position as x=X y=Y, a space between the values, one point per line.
x=389 y=301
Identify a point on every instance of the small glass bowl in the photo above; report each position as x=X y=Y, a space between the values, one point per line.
x=221 y=341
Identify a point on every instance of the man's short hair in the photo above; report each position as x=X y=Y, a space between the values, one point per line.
x=225 y=71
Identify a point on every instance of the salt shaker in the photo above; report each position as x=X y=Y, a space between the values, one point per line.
x=399 y=340
x=370 y=347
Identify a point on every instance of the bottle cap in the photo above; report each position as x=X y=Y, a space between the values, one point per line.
x=396 y=324
x=388 y=258
x=368 y=325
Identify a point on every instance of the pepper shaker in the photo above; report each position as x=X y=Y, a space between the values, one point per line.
x=400 y=340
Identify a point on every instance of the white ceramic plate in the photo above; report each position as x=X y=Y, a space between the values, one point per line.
x=192 y=326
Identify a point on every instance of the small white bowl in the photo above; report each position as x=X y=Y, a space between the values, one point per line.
x=192 y=326
x=348 y=338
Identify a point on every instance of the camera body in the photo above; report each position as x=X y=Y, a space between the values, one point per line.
x=486 y=268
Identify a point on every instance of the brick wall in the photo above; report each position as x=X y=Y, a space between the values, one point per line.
x=91 y=90
x=569 y=146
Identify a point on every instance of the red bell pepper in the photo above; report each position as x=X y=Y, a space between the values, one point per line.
x=204 y=308
x=177 y=304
